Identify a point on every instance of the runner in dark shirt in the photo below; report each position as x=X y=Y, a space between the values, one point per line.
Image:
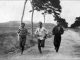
x=57 y=32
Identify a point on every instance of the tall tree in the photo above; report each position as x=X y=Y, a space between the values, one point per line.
x=48 y=6
x=32 y=17
x=23 y=11
x=63 y=22
x=44 y=15
x=76 y=23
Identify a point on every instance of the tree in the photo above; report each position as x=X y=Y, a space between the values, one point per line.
x=32 y=18
x=44 y=15
x=76 y=23
x=48 y=6
x=63 y=22
x=23 y=11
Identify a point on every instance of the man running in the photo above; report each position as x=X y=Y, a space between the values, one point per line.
x=22 y=32
x=57 y=32
x=41 y=34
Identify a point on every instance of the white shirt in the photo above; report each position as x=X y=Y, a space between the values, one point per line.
x=41 y=32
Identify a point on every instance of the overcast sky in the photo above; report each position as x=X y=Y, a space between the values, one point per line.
x=12 y=11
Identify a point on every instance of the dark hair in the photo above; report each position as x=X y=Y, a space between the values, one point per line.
x=40 y=22
x=23 y=24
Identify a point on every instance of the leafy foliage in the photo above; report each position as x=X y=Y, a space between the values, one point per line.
x=63 y=22
x=49 y=6
x=76 y=23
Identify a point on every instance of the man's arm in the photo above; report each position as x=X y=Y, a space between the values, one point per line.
x=36 y=31
x=18 y=34
x=53 y=30
x=18 y=31
x=46 y=31
x=28 y=33
x=62 y=30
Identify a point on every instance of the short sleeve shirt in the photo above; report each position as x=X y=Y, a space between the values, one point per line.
x=22 y=31
x=41 y=32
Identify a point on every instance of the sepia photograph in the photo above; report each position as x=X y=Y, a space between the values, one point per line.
x=39 y=29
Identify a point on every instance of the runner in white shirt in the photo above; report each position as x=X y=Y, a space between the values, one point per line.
x=41 y=34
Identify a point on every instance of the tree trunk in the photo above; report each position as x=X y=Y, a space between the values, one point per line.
x=32 y=19
x=44 y=18
x=23 y=11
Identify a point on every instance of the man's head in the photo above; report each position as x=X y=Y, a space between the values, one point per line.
x=22 y=25
x=40 y=24
x=59 y=24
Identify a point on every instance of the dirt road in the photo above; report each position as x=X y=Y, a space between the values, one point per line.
x=69 y=49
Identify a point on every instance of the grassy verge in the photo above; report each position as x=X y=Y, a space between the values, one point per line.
x=9 y=43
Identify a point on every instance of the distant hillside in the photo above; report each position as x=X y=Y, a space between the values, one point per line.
x=12 y=24
x=17 y=24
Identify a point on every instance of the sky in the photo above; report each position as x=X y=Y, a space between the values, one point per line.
x=12 y=11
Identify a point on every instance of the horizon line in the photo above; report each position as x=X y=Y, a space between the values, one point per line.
x=24 y=22
x=24 y=0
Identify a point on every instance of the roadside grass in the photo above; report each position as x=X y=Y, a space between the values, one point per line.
x=9 y=42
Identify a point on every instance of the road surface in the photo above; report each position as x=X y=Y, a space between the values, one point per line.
x=69 y=49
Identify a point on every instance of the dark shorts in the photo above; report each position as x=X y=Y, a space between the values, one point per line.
x=57 y=40
x=40 y=43
x=22 y=40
